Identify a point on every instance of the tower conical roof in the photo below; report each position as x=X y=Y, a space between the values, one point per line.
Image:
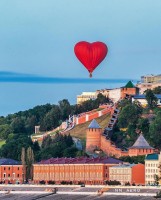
x=129 y=85
x=94 y=124
x=141 y=143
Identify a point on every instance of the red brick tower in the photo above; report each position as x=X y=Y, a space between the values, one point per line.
x=140 y=147
x=93 y=137
x=129 y=89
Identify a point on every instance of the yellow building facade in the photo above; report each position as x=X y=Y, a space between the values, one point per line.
x=85 y=96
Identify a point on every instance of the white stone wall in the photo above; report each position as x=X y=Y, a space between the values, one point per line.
x=115 y=94
x=143 y=102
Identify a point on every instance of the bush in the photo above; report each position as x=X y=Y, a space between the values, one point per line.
x=127 y=184
x=51 y=182
x=63 y=183
x=42 y=182
x=80 y=183
x=113 y=182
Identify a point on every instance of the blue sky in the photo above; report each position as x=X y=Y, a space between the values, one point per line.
x=37 y=40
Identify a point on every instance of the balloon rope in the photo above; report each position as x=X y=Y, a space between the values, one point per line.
x=90 y=74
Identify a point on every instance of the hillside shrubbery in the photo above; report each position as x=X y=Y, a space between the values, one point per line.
x=17 y=128
x=131 y=119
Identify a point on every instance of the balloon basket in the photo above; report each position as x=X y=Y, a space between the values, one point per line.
x=90 y=75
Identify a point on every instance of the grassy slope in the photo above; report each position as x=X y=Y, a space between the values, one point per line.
x=2 y=142
x=80 y=130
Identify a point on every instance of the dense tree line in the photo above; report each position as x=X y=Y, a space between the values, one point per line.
x=47 y=116
x=58 y=146
x=132 y=122
x=17 y=128
x=157 y=90
x=15 y=143
x=133 y=159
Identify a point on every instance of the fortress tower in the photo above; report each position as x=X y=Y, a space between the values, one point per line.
x=129 y=89
x=140 y=147
x=93 y=138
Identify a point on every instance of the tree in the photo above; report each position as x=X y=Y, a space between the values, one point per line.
x=133 y=159
x=13 y=147
x=18 y=125
x=70 y=152
x=89 y=105
x=156 y=179
x=69 y=140
x=157 y=90
x=51 y=119
x=46 y=142
x=129 y=114
x=23 y=161
x=143 y=126
x=2 y=120
x=155 y=131
x=29 y=163
x=30 y=124
x=5 y=130
x=124 y=103
x=132 y=133
x=101 y=99
x=138 y=107
x=151 y=98
x=36 y=146
x=65 y=108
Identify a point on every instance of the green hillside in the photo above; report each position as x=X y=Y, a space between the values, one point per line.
x=79 y=131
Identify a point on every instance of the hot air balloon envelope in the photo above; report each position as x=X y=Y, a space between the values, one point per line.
x=90 y=54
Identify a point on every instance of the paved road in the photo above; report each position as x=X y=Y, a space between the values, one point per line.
x=69 y=197
x=82 y=195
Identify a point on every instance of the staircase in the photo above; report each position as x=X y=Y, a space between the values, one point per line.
x=109 y=129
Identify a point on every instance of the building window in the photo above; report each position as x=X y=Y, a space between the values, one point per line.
x=4 y=175
x=18 y=168
x=4 y=168
x=9 y=168
x=18 y=175
x=8 y=175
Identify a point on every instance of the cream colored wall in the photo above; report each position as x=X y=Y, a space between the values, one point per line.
x=151 y=168
x=123 y=175
x=104 y=92
x=86 y=96
x=151 y=78
x=145 y=86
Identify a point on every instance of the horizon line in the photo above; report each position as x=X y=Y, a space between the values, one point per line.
x=14 y=77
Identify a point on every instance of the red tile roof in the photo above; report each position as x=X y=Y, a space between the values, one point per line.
x=81 y=160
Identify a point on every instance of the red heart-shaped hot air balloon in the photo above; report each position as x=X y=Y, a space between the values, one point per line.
x=90 y=54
